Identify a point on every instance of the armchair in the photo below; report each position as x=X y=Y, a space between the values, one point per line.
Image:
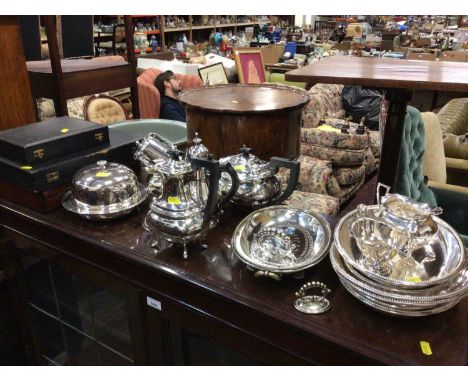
x=453 y=118
x=148 y=95
x=342 y=160
x=415 y=155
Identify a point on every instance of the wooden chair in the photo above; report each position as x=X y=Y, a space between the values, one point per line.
x=104 y=109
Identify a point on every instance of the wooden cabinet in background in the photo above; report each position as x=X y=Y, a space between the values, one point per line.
x=16 y=103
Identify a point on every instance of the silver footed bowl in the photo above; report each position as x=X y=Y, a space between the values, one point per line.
x=281 y=240
x=379 y=251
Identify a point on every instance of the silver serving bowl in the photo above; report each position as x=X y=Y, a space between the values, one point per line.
x=104 y=191
x=433 y=263
x=281 y=240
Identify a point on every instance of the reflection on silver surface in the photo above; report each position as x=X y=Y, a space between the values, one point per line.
x=378 y=251
x=281 y=240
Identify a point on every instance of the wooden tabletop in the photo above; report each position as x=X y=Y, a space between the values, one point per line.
x=76 y=65
x=244 y=98
x=264 y=307
x=385 y=73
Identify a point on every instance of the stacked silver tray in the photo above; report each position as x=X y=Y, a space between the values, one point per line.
x=432 y=280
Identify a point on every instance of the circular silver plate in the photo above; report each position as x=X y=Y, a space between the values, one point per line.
x=279 y=239
x=312 y=304
x=102 y=212
x=447 y=250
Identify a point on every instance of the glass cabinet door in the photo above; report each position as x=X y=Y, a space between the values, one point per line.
x=79 y=315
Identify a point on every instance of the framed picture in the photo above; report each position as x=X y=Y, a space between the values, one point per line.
x=249 y=64
x=213 y=74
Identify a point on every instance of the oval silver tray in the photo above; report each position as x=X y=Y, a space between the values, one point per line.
x=447 y=261
x=399 y=304
x=281 y=240
x=452 y=290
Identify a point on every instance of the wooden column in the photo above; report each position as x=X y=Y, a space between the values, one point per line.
x=131 y=58
x=16 y=103
x=393 y=135
x=60 y=102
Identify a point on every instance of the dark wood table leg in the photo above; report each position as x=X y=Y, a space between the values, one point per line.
x=131 y=58
x=393 y=135
x=60 y=102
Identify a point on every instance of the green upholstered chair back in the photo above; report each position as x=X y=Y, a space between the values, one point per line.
x=410 y=178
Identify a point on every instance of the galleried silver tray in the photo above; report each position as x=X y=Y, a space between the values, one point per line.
x=280 y=240
x=428 y=265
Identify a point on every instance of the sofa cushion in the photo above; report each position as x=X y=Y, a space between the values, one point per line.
x=313 y=176
x=455 y=146
x=349 y=175
x=338 y=157
x=334 y=139
x=315 y=203
x=375 y=142
x=349 y=190
x=453 y=116
x=325 y=100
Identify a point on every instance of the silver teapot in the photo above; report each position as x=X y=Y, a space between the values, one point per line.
x=182 y=212
x=259 y=186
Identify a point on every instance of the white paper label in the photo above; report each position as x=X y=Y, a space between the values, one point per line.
x=153 y=303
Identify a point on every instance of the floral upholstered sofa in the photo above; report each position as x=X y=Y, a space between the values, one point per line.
x=333 y=163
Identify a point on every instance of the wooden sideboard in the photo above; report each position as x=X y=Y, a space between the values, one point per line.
x=97 y=293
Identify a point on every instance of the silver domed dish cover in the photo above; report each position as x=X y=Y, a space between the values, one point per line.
x=278 y=239
x=371 y=247
x=259 y=186
x=104 y=191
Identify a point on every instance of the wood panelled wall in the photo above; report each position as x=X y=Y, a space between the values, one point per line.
x=16 y=103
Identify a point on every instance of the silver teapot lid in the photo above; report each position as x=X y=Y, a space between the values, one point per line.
x=198 y=150
x=248 y=166
x=105 y=183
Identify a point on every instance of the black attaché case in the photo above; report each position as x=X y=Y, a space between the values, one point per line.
x=49 y=174
x=53 y=138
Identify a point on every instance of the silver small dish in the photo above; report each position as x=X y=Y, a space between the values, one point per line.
x=281 y=240
x=104 y=191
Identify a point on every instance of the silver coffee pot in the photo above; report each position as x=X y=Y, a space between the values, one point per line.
x=259 y=186
x=182 y=212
